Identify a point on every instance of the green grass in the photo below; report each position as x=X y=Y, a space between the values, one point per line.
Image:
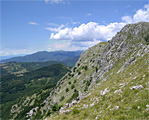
x=132 y=103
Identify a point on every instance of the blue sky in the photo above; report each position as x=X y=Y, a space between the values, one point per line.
x=31 y=26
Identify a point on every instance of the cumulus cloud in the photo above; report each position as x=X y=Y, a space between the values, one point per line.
x=33 y=23
x=127 y=19
x=140 y=15
x=88 y=32
x=91 y=33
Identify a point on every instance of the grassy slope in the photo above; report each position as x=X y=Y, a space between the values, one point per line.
x=76 y=79
x=132 y=103
x=125 y=104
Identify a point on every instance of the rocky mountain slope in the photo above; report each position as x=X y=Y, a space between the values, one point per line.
x=110 y=80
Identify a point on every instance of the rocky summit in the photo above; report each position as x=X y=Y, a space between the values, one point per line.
x=109 y=81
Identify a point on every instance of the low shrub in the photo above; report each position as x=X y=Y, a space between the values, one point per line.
x=74 y=96
x=67 y=89
x=62 y=98
x=72 y=86
x=86 y=68
x=69 y=83
x=147 y=39
x=75 y=81
x=86 y=88
x=79 y=72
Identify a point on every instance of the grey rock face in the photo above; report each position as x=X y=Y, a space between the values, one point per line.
x=136 y=87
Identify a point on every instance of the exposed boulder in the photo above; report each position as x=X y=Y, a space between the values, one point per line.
x=104 y=91
x=136 y=87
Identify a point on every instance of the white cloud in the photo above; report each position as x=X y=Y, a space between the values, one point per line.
x=33 y=23
x=140 y=15
x=55 y=29
x=52 y=24
x=88 y=32
x=89 y=14
x=74 y=23
x=84 y=36
x=54 y=1
x=127 y=19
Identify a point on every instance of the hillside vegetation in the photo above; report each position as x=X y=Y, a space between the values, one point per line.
x=18 y=68
x=16 y=88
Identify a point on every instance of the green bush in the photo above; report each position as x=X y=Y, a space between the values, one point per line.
x=72 y=75
x=74 y=69
x=69 y=83
x=88 y=83
x=84 y=81
x=147 y=39
x=69 y=74
x=79 y=72
x=86 y=68
x=75 y=81
x=75 y=90
x=62 y=98
x=96 y=69
x=72 y=86
x=67 y=89
x=49 y=113
x=56 y=107
x=86 y=88
x=74 y=96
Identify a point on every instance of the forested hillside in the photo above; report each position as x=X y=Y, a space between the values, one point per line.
x=14 y=88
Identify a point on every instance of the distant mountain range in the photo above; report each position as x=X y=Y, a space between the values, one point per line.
x=45 y=56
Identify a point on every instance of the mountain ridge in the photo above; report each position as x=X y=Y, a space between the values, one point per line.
x=44 y=56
